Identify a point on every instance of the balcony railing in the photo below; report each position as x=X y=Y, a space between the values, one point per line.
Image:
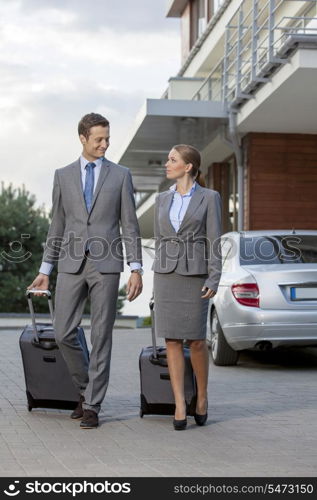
x=258 y=40
x=212 y=88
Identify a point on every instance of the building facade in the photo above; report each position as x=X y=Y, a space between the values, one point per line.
x=246 y=97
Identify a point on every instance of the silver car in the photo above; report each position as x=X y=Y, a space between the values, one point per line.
x=267 y=295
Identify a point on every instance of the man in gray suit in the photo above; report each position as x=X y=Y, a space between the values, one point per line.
x=91 y=198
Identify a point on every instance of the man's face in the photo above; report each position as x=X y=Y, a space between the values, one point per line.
x=97 y=143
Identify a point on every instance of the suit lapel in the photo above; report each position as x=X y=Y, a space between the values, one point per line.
x=165 y=218
x=104 y=171
x=79 y=185
x=195 y=201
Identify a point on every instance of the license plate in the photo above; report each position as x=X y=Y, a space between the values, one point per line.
x=301 y=293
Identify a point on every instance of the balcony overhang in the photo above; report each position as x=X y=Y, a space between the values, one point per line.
x=160 y=124
x=176 y=8
x=286 y=104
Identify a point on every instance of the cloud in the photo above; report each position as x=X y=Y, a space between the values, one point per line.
x=60 y=59
x=124 y=16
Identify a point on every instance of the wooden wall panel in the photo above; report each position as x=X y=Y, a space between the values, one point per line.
x=281 y=181
x=218 y=179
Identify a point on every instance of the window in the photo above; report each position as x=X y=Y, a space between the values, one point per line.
x=201 y=11
x=226 y=252
x=278 y=249
x=210 y=9
x=233 y=195
x=217 y=4
x=199 y=16
x=202 y=18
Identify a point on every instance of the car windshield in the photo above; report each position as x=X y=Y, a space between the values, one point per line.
x=278 y=249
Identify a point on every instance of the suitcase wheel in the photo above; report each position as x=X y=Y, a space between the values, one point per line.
x=143 y=406
x=30 y=401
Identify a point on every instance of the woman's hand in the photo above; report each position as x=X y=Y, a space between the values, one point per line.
x=209 y=293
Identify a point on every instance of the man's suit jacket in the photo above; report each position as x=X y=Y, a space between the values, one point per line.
x=195 y=247
x=72 y=227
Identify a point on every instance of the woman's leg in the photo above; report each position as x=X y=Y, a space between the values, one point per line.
x=200 y=363
x=176 y=368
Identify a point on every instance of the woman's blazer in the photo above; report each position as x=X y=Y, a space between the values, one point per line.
x=195 y=248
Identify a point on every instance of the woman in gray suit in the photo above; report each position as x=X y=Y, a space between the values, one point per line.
x=187 y=269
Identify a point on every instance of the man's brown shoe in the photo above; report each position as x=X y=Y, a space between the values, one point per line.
x=78 y=412
x=90 y=420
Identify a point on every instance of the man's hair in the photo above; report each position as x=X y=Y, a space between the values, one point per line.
x=91 y=120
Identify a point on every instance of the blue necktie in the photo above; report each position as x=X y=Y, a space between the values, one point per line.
x=89 y=184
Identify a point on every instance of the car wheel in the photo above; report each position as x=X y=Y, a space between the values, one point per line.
x=221 y=352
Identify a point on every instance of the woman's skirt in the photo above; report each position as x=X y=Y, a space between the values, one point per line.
x=179 y=310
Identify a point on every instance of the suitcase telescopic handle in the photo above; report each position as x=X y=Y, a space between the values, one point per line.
x=158 y=360
x=50 y=305
x=151 y=304
x=47 y=345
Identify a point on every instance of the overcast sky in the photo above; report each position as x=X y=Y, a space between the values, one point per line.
x=61 y=59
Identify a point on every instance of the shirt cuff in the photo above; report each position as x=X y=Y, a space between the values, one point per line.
x=46 y=268
x=134 y=265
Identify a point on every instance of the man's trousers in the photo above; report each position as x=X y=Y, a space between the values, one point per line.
x=72 y=291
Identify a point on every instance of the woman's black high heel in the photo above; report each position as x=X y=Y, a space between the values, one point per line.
x=180 y=425
x=200 y=419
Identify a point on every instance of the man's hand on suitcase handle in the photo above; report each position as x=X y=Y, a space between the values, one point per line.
x=41 y=282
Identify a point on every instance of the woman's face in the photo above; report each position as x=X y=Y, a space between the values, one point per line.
x=176 y=168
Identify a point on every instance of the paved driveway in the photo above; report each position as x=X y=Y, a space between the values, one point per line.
x=263 y=422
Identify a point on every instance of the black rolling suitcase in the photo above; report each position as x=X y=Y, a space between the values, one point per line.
x=47 y=379
x=156 y=390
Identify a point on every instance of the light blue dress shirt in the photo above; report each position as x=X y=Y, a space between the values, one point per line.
x=179 y=206
x=83 y=163
x=47 y=267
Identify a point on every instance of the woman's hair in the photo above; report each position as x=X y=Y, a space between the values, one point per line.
x=189 y=154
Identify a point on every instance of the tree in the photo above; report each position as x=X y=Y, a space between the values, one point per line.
x=23 y=230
